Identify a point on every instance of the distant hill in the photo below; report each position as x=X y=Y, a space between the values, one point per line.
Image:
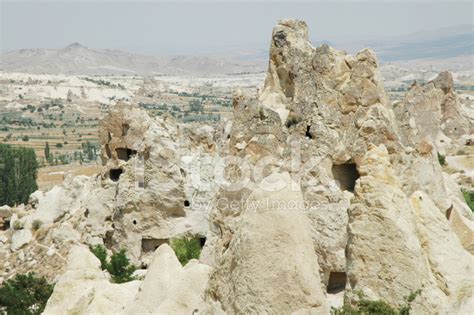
x=434 y=44
x=78 y=59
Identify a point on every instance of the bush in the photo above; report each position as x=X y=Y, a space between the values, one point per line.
x=120 y=268
x=441 y=159
x=18 y=225
x=25 y=294
x=469 y=197
x=367 y=307
x=36 y=224
x=100 y=252
x=186 y=249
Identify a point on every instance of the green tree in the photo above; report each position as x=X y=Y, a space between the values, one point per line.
x=46 y=151
x=18 y=172
x=120 y=268
x=100 y=252
x=25 y=294
x=186 y=249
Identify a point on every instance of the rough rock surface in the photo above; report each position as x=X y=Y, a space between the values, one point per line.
x=360 y=200
x=272 y=234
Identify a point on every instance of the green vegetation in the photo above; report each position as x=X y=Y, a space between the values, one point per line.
x=196 y=106
x=367 y=307
x=24 y=295
x=186 y=249
x=36 y=224
x=100 y=252
x=441 y=159
x=469 y=197
x=119 y=265
x=47 y=152
x=120 y=268
x=18 y=171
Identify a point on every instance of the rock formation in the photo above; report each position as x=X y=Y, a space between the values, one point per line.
x=319 y=190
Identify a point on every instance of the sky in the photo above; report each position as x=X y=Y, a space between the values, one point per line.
x=180 y=27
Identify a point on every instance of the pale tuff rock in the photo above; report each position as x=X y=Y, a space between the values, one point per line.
x=397 y=246
x=433 y=112
x=384 y=255
x=271 y=233
x=450 y=264
x=364 y=204
x=84 y=288
x=168 y=287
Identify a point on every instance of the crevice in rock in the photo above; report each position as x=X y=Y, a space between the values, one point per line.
x=346 y=175
x=108 y=239
x=337 y=282
x=448 y=212
x=125 y=128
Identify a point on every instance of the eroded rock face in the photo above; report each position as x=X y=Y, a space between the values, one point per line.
x=271 y=234
x=318 y=189
x=319 y=114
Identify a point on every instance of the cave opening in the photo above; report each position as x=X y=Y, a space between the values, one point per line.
x=125 y=154
x=5 y=225
x=151 y=244
x=308 y=132
x=202 y=241
x=115 y=174
x=187 y=203
x=345 y=175
x=337 y=282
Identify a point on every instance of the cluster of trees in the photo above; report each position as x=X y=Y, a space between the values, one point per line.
x=88 y=153
x=18 y=172
x=24 y=294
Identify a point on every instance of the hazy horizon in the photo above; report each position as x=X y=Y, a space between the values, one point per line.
x=157 y=27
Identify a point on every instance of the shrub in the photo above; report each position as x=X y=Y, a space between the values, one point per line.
x=367 y=307
x=100 y=252
x=25 y=294
x=18 y=225
x=469 y=197
x=441 y=159
x=36 y=224
x=186 y=249
x=120 y=268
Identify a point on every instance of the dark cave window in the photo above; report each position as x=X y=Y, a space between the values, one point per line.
x=337 y=282
x=308 y=132
x=5 y=225
x=186 y=203
x=125 y=154
x=115 y=174
x=202 y=241
x=134 y=222
x=346 y=174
